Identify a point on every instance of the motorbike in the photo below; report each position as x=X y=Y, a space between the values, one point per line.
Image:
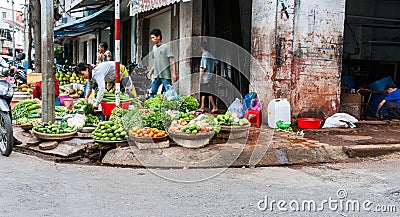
x=6 y=130
x=138 y=75
x=19 y=75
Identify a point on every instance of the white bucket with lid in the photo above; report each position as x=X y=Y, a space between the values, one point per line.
x=278 y=109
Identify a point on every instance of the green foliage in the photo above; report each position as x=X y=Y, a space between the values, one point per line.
x=188 y=103
x=157 y=120
x=133 y=118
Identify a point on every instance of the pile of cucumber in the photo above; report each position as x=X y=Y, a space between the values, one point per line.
x=54 y=128
x=109 y=131
x=110 y=97
x=25 y=108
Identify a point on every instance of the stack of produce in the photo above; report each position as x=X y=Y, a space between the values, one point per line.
x=25 y=88
x=69 y=77
x=147 y=132
x=77 y=121
x=79 y=105
x=231 y=119
x=201 y=124
x=157 y=120
x=131 y=119
x=61 y=111
x=188 y=103
x=22 y=121
x=109 y=131
x=25 y=108
x=185 y=116
x=154 y=103
x=116 y=115
x=110 y=97
x=56 y=128
x=91 y=120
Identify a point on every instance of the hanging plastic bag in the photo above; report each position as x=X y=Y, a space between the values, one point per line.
x=255 y=104
x=170 y=93
x=236 y=107
x=247 y=100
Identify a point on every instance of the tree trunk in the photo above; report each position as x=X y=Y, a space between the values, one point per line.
x=36 y=22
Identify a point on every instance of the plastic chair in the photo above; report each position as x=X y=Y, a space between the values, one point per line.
x=254 y=117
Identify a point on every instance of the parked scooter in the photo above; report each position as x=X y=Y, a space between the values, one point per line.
x=6 y=130
x=138 y=75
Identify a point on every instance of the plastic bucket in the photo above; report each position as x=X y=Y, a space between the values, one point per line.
x=62 y=97
x=69 y=103
x=309 y=123
x=107 y=107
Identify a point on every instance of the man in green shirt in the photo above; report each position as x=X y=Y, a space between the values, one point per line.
x=160 y=72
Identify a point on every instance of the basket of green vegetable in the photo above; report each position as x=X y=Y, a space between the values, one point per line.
x=27 y=123
x=232 y=127
x=109 y=132
x=195 y=134
x=54 y=131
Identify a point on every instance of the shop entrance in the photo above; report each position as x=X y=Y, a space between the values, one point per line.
x=230 y=20
x=371 y=53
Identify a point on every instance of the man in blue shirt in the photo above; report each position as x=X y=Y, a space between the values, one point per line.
x=391 y=102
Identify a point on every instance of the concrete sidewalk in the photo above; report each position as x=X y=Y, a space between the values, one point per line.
x=264 y=147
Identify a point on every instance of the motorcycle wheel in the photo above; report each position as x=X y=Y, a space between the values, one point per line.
x=6 y=134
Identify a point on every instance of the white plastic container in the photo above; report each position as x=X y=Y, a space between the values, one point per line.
x=278 y=109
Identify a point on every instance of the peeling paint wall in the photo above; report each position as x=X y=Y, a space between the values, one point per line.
x=317 y=61
x=301 y=53
x=262 y=43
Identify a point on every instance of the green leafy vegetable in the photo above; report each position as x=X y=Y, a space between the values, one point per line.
x=188 y=103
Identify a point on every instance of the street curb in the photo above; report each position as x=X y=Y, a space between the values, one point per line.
x=370 y=150
x=175 y=158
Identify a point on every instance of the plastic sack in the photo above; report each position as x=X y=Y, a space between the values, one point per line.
x=170 y=93
x=247 y=100
x=236 y=107
x=255 y=104
x=342 y=120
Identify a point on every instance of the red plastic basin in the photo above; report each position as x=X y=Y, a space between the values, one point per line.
x=107 y=107
x=309 y=123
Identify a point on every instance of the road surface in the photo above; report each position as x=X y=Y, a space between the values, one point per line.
x=34 y=187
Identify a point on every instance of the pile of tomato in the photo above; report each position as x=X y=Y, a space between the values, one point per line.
x=147 y=132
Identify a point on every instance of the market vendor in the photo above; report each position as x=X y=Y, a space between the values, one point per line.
x=391 y=102
x=37 y=90
x=104 y=76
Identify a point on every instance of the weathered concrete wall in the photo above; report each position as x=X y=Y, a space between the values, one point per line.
x=318 y=42
x=262 y=44
x=299 y=44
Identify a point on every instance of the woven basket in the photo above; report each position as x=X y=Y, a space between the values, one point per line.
x=148 y=140
x=26 y=127
x=186 y=140
x=233 y=132
x=53 y=136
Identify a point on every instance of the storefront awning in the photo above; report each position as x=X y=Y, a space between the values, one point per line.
x=93 y=22
x=140 y=6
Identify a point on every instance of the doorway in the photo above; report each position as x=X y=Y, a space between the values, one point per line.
x=230 y=20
